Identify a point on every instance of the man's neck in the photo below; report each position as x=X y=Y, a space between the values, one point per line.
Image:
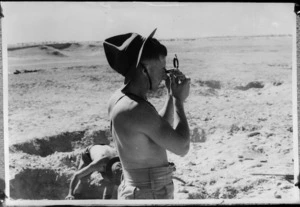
x=135 y=89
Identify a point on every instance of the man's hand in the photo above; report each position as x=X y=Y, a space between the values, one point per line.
x=180 y=87
x=178 y=74
x=168 y=84
x=70 y=197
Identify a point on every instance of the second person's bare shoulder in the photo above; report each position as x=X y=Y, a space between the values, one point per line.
x=99 y=151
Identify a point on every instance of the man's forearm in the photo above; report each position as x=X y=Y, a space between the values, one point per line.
x=73 y=184
x=167 y=112
x=108 y=190
x=180 y=121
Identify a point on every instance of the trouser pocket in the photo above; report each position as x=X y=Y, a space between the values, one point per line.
x=169 y=191
x=133 y=192
x=143 y=194
x=126 y=192
x=166 y=192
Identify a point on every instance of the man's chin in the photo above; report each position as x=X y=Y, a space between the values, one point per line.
x=157 y=87
x=153 y=90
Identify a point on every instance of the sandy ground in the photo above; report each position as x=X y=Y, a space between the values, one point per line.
x=239 y=111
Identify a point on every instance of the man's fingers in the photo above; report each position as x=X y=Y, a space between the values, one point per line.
x=186 y=81
x=177 y=79
x=172 y=78
x=168 y=80
x=177 y=72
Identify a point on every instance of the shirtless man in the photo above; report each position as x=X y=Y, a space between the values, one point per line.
x=101 y=158
x=143 y=135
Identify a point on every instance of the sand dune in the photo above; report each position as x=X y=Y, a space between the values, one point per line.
x=54 y=49
x=53 y=56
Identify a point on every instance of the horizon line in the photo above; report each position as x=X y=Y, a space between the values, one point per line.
x=161 y=39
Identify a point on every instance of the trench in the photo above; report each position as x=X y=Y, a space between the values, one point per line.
x=43 y=147
x=64 y=142
x=37 y=184
x=253 y=84
x=47 y=174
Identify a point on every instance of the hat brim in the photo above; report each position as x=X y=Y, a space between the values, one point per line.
x=141 y=50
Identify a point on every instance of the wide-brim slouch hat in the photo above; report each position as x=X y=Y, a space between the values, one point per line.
x=124 y=51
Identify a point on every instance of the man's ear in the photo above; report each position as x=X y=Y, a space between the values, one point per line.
x=143 y=67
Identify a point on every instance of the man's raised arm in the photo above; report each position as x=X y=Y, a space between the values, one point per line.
x=180 y=94
x=167 y=112
x=177 y=139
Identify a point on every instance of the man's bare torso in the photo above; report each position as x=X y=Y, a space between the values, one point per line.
x=136 y=149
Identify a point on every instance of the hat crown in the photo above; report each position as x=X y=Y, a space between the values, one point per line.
x=124 y=51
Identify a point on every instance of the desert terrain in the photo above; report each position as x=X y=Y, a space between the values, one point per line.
x=239 y=111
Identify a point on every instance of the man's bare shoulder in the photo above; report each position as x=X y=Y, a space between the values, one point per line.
x=114 y=96
x=130 y=107
x=113 y=99
x=122 y=103
x=131 y=114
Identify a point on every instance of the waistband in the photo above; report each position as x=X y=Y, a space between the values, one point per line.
x=145 y=177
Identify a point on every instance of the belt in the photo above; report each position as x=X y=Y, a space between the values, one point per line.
x=145 y=177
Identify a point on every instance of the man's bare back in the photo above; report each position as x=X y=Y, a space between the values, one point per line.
x=136 y=150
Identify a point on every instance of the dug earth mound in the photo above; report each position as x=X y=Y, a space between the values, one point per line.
x=42 y=168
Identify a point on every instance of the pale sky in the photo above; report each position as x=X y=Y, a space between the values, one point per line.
x=96 y=21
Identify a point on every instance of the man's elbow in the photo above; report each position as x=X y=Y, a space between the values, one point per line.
x=185 y=145
x=184 y=149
